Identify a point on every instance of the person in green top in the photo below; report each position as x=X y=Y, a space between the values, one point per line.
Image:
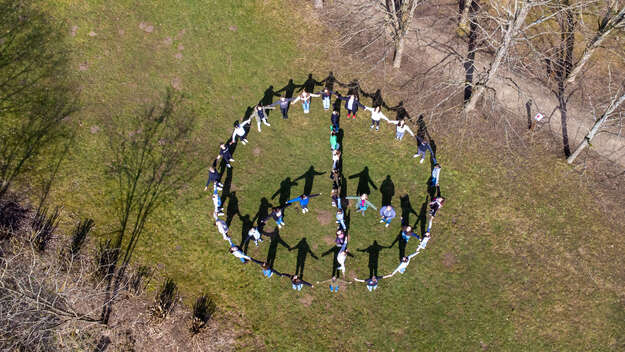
x=334 y=145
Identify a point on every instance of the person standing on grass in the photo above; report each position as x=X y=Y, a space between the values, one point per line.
x=213 y=177
x=222 y=227
x=407 y=233
x=387 y=213
x=334 y=119
x=239 y=131
x=376 y=116
x=372 y=283
x=334 y=283
x=336 y=157
x=435 y=205
x=303 y=201
x=267 y=270
x=436 y=175
x=326 y=94
x=305 y=98
x=422 y=147
x=284 y=103
x=334 y=195
x=351 y=105
x=237 y=252
x=260 y=113
x=424 y=241
x=334 y=145
x=340 y=237
x=277 y=215
x=224 y=152
x=403 y=264
x=401 y=129
x=217 y=204
x=363 y=203
x=297 y=283
x=341 y=257
x=340 y=219
x=254 y=234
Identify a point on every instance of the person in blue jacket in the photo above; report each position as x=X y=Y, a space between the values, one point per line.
x=422 y=147
x=351 y=105
x=213 y=177
x=303 y=200
x=387 y=213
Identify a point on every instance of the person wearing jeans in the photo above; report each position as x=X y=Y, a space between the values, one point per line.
x=387 y=213
x=305 y=98
x=284 y=106
x=401 y=129
x=326 y=94
x=340 y=219
x=403 y=264
x=376 y=116
x=260 y=112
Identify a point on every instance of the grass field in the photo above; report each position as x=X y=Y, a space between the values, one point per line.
x=518 y=259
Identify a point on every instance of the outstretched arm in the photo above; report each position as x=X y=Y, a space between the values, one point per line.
x=315 y=195
x=409 y=130
x=413 y=254
x=358 y=280
x=307 y=283
x=371 y=204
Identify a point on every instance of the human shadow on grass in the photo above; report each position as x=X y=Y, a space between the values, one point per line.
x=284 y=191
x=233 y=207
x=289 y=89
x=329 y=81
x=262 y=214
x=334 y=250
x=422 y=217
x=401 y=111
x=309 y=177
x=246 y=225
x=401 y=245
x=310 y=84
x=406 y=210
x=276 y=241
x=267 y=98
x=374 y=256
x=303 y=249
x=340 y=140
x=387 y=188
x=364 y=180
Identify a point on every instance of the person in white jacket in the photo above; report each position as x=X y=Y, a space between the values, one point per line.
x=222 y=227
x=402 y=128
x=376 y=116
x=305 y=98
x=403 y=264
x=239 y=131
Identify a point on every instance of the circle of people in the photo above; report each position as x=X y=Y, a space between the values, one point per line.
x=339 y=200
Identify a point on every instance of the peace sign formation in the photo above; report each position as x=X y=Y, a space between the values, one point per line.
x=339 y=198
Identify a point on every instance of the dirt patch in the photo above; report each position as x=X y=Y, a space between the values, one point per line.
x=121 y=32
x=180 y=47
x=306 y=300
x=73 y=31
x=83 y=67
x=176 y=83
x=233 y=28
x=94 y=129
x=146 y=27
x=92 y=34
x=256 y=151
x=449 y=260
x=178 y=56
x=328 y=240
x=324 y=217
x=168 y=41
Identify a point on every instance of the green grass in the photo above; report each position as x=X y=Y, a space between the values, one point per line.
x=519 y=260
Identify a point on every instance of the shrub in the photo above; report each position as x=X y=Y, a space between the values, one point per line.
x=165 y=299
x=203 y=309
x=44 y=226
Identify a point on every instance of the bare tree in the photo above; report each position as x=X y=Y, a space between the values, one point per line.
x=399 y=15
x=607 y=115
x=148 y=165
x=614 y=18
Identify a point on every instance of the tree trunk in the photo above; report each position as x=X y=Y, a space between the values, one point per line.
x=318 y=4
x=605 y=28
x=513 y=27
x=463 y=26
x=399 y=52
x=595 y=128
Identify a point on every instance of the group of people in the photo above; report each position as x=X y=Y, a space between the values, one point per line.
x=338 y=197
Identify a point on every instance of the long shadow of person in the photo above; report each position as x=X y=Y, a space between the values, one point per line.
x=343 y=190
x=376 y=98
x=340 y=140
x=262 y=214
x=289 y=89
x=433 y=153
x=267 y=98
x=233 y=207
x=335 y=263
x=401 y=245
x=303 y=249
x=329 y=81
x=387 y=188
x=246 y=225
x=227 y=184
x=422 y=218
x=309 y=177
x=310 y=84
x=374 y=256
x=364 y=180
x=401 y=111
x=284 y=191
x=273 y=246
x=336 y=106
x=347 y=219
x=406 y=210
